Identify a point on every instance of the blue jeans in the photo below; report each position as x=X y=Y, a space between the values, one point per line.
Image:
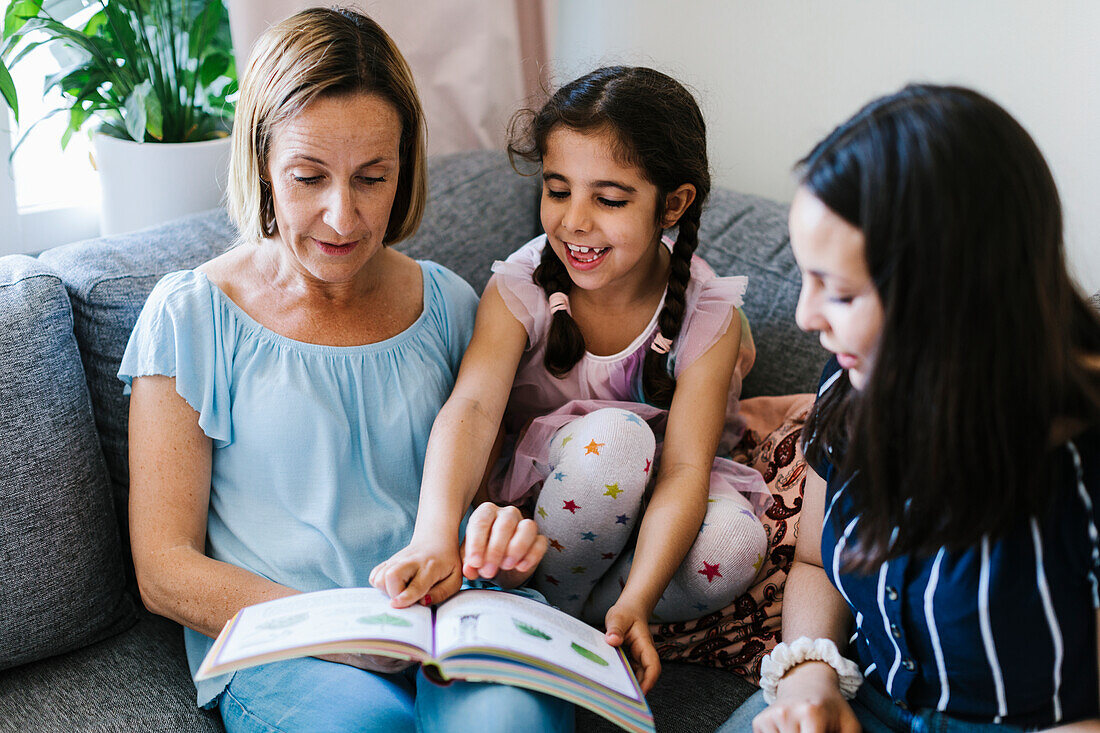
x=876 y=714
x=309 y=694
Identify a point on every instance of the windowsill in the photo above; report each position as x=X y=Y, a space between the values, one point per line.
x=41 y=228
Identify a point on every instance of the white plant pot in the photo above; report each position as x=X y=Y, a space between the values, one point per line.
x=144 y=184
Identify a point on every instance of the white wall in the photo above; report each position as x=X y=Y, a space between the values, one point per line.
x=774 y=77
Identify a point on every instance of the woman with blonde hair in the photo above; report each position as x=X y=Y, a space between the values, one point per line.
x=283 y=392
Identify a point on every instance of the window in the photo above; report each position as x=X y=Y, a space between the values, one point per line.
x=47 y=196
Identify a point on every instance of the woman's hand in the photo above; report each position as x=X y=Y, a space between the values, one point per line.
x=630 y=625
x=808 y=699
x=369 y=662
x=423 y=572
x=501 y=545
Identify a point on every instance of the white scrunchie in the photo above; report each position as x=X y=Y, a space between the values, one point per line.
x=785 y=656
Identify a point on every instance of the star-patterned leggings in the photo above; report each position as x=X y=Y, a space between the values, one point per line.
x=589 y=507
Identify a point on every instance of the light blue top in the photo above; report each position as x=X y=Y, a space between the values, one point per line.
x=318 y=450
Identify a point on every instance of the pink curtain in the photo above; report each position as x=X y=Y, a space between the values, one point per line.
x=475 y=61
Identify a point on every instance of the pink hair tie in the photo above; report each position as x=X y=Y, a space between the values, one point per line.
x=661 y=344
x=559 y=301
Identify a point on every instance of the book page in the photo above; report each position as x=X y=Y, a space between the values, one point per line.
x=308 y=619
x=517 y=625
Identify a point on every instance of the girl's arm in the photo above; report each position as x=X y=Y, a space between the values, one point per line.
x=457 y=456
x=809 y=694
x=678 y=505
x=170 y=459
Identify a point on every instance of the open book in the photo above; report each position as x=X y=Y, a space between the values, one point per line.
x=478 y=635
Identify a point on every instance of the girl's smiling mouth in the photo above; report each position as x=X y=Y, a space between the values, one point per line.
x=584 y=257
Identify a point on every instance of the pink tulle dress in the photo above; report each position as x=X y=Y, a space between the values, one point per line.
x=541 y=403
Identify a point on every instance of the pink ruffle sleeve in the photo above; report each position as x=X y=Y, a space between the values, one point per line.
x=709 y=310
x=524 y=298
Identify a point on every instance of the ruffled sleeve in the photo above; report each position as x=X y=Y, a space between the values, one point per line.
x=179 y=333
x=712 y=303
x=524 y=298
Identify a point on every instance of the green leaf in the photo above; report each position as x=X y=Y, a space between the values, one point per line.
x=17 y=14
x=96 y=24
x=215 y=65
x=7 y=88
x=61 y=78
x=154 y=117
x=204 y=27
x=134 y=112
x=63 y=34
x=77 y=117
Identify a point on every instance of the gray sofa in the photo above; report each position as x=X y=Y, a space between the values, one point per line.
x=77 y=651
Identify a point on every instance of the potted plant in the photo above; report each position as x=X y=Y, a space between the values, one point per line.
x=154 y=80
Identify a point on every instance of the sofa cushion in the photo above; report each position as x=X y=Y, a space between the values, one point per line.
x=108 y=281
x=747 y=235
x=136 y=681
x=61 y=574
x=686 y=699
x=479 y=210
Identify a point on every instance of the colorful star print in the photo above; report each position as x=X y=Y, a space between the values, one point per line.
x=701 y=607
x=622 y=519
x=542 y=512
x=608 y=556
x=711 y=571
x=701 y=526
x=578 y=570
x=559 y=476
x=631 y=417
x=557 y=545
x=648 y=463
x=759 y=561
x=747 y=513
x=565 y=440
x=613 y=490
x=590 y=536
x=593 y=447
x=552 y=579
x=570 y=506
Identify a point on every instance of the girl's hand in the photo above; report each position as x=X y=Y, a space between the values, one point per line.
x=625 y=623
x=808 y=699
x=422 y=572
x=501 y=545
x=369 y=662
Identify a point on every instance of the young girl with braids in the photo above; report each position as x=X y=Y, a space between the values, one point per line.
x=585 y=338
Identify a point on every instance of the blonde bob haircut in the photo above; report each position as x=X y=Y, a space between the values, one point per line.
x=321 y=52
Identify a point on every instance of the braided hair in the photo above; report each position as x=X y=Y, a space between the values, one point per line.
x=660 y=130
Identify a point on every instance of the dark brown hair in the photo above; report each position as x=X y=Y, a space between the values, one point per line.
x=660 y=130
x=983 y=333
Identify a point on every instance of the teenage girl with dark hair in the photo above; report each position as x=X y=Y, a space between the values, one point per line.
x=584 y=337
x=956 y=437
